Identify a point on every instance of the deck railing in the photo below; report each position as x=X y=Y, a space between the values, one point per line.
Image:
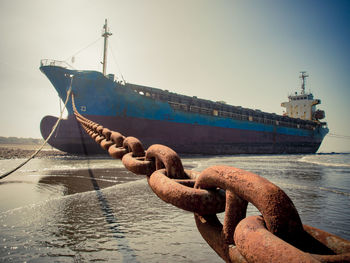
x=55 y=63
x=206 y=111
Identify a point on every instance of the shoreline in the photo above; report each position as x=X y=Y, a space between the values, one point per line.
x=16 y=151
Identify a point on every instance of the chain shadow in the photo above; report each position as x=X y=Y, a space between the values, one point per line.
x=107 y=211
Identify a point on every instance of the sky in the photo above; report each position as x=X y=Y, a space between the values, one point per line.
x=247 y=53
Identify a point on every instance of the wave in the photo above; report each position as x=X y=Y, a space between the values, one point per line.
x=318 y=161
x=313 y=188
x=79 y=167
x=334 y=191
x=68 y=166
x=107 y=190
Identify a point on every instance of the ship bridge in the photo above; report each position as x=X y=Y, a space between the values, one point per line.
x=303 y=105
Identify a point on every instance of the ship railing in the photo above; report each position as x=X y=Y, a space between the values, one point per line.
x=238 y=116
x=55 y=63
x=178 y=106
x=211 y=111
x=202 y=110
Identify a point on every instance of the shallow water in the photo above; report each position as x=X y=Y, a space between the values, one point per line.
x=71 y=209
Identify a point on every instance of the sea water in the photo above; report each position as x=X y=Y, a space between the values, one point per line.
x=73 y=209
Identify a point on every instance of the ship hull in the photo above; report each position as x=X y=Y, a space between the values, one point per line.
x=183 y=138
x=151 y=116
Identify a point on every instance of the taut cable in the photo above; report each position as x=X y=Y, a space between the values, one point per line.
x=48 y=138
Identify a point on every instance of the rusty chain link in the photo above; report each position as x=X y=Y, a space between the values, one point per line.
x=278 y=235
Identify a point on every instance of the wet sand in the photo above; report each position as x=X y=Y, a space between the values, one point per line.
x=12 y=151
x=54 y=176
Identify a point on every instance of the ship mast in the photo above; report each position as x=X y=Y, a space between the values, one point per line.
x=303 y=76
x=105 y=35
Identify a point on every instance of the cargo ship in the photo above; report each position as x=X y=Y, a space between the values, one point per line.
x=189 y=125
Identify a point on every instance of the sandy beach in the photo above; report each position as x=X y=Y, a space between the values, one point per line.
x=11 y=151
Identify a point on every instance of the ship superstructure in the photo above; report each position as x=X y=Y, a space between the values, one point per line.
x=186 y=124
x=303 y=105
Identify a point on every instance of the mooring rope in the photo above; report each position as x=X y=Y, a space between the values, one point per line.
x=48 y=138
x=82 y=49
x=116 y=62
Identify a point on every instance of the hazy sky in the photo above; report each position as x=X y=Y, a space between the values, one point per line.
x=247 y=53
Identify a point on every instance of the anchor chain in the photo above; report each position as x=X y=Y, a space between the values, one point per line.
x=278 y=235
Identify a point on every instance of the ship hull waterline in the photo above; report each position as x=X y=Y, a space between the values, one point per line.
x=182 y=137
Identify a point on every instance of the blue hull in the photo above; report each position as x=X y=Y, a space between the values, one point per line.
x=146 y=113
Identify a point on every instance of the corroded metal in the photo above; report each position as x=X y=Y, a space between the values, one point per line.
x=99 y=138
x=164 y=157
x=105 y=144
x=117 y=138
x=256 y=244
x=187 y=198
x=116 y=152
x=138 y=165
x=99 y=129
x=280 y=214
x=134 y=146
x=107 y=133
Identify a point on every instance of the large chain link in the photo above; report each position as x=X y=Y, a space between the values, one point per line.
x=276 y=236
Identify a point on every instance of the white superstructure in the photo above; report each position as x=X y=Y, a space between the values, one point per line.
x=303 y=105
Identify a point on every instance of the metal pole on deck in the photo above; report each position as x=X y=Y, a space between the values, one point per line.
x=105 y=35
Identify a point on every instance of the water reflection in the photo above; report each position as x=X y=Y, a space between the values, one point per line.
x=78 y=181
x=79 y=223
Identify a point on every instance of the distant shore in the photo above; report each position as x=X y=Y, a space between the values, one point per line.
x=12 y=151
